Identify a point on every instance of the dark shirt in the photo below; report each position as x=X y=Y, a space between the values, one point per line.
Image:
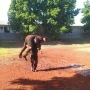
x=29 y=40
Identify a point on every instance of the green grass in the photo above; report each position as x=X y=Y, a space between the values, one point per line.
x=9 y=48
x=8 y=44
x=9 y=51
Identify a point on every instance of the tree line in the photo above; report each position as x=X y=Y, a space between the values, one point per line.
x=86 y=16
x=55 y=16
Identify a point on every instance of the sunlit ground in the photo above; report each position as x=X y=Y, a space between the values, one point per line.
x=14 y=51
x=9 y=51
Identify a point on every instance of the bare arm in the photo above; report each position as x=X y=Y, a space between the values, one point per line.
x=28 y=47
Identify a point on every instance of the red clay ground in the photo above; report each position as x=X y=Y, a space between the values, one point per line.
x=62 y=67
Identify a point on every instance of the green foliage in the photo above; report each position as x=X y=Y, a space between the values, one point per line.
x=26 y=15
x=33 y=28
x=65 y=29
x=54 y=36
x=21 y=15
x=86 y=16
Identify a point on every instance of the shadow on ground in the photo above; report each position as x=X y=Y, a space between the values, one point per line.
x=62 y=68
x=77 y=82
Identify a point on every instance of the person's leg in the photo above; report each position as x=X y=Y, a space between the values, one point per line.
x=32 y=63
x=23 y=48
x=25 y=53
x=35 y=62
x=27 y=50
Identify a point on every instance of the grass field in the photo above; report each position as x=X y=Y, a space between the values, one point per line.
x=7 y=47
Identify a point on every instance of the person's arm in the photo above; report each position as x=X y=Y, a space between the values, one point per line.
x=28 y=47
x=39 y=48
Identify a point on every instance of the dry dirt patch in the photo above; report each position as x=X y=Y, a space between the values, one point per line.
x=60 y=67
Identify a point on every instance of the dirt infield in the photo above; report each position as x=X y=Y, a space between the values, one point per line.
x=65 y=67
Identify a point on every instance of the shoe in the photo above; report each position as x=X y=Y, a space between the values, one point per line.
x=35 y=71
x=25 y=58
x=20 y=55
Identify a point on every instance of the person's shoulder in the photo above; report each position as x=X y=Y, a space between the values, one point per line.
x=29 y=36
x=39 y=36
